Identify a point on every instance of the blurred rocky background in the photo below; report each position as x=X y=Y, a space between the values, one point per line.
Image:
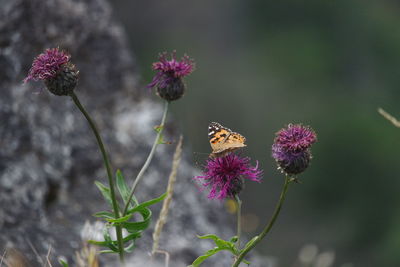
x=49 y=158
x=262 y=64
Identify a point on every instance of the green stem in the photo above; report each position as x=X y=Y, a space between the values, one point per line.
x=149 y=158
x=239 y=220
x=269 y=225
x=109 y=171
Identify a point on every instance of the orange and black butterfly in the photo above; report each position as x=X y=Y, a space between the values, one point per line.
x=223 y=140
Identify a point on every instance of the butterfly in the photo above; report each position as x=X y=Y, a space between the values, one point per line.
x=223 y=140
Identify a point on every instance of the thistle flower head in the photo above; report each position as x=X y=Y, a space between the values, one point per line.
x=55 y=69
x=168 y=79
x=225 y=175
x=47 y=64
x=295 y=137
x=291 y=148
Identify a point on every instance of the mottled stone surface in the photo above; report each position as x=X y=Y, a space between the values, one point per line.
x=48 y=155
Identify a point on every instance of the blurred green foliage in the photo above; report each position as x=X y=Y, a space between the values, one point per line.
x=263 y=64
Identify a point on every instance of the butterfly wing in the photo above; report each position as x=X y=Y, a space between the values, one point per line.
x=223 y=139
x=235 y=140
x=217 y=134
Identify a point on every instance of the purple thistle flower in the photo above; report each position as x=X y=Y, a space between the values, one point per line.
x=295 y=137
x=55 y=69
x=225 y=175
x=47 y=64
x=168 y=79
x=291 y=148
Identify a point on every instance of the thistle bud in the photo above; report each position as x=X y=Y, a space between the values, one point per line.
x=172 y=91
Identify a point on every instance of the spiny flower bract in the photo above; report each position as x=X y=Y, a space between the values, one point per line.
x=225 y=175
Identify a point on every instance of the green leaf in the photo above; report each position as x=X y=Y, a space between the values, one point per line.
x=121 y=185
x=106 y=251
x=160 y=140
x=106 y=243
x=124 y=190
x=208 y=254
x=221 y=243
x=158 y=128
x=250 y=242
x=210 y=236
x=132 y=236
x=105 y=191
x=63 y=263
x=133 y=227
x=234 y=239
x=135 y=202
x=246 y=261
x=220 y=246
x=120 y=219
x=98 y=243
x=147 y=203
x=130 y=248
x=107 y=239
x=104 y=214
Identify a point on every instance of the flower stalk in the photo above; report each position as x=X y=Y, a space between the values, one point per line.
x=268 y=227
x=108 y=169
x=149 y=157
x=239 y=220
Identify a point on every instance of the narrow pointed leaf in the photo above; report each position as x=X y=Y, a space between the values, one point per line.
x=122 y=187
x=250 y=242
x=132 y=236
x=121 y=219
x=104 y=214
x=208 y=254
x=234 y=239
x=219 y=242
x=63 y=263
x=105 y=191
x=158 y=128
x=246 y=261
x=148 y=203
x=107 y=239
x=130 y=248
x=106 y=251
x=141 y=225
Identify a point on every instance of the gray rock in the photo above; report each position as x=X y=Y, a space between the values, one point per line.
x=48 y=155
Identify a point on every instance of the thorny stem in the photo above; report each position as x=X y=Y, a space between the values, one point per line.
x=239 y=220
x=149 y=157
x=106 y=161
x=269 y=225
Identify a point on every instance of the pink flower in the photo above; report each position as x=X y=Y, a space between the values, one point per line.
x=168 y=80
x=225 y=175
x=47 y=64
x=54 y=68
x=291 y=148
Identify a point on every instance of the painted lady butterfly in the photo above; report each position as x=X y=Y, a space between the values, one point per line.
x=223 y=140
